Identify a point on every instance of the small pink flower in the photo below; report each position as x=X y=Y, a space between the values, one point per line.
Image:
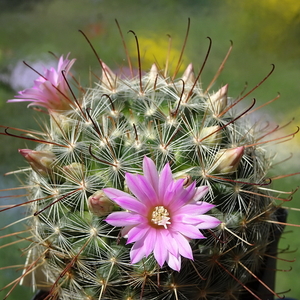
x=162 y=216
x=51 y=90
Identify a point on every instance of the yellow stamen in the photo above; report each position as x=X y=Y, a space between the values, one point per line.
x=160 y=216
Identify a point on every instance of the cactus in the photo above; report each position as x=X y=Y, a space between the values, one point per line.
x=180 y=168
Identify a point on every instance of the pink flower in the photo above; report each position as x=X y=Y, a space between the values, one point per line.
x=51 y=90
x=162 y=216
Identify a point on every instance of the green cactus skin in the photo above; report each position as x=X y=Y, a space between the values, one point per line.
x=74 y=254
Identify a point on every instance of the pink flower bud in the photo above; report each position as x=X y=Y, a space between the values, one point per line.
x=40 y=161
x=99 y=204
x=228 y=160
x=188 y=76
x=218 y=101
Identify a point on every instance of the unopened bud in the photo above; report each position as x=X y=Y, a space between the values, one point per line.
x=99 y=204
x=188 y=80
x=108 y=78
x=74 y=169
x=210 y=136
x=228 y=160
x=60 y=123
x=188 y=76
x=153 y=74
x=218 y=101
x=40 y=161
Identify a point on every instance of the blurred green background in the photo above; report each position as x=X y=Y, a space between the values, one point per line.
x=263 y=32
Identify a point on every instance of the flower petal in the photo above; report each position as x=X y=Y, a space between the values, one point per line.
x=184 y=246
x=165 y=179
x=208 y=222
x=138 y=232
x=160 y=251
x=174 y=262
x=131 y=204
x=190 y=192
x=151 y=173
x=173 y=192
x=181 y=195
x=205 y=206
x=113 y=193
x=121 y=218
x=126 y=229
x=195 y=208
x=168 y=240
x=189 y=231
x=144 y=246
x=150 y=241
x=141 y=188
x=137 y=252
x=201 y=191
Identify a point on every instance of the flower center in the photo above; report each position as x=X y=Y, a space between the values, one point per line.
x=160 y=216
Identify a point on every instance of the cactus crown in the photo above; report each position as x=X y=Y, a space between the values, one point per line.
x=83 y=185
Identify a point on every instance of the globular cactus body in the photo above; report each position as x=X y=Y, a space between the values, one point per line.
x=108 y=131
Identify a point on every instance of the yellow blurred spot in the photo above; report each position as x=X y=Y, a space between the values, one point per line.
x=156 y=50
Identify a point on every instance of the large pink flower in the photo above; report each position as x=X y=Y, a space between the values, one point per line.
x=51 y=90
x=162 y=216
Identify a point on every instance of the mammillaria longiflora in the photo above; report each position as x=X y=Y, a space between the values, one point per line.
x=174 y=164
